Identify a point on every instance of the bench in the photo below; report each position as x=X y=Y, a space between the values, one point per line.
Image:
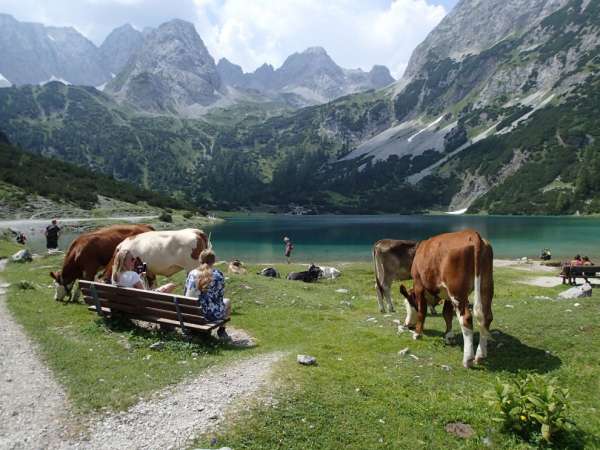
x=164 y=309
x=573 y=272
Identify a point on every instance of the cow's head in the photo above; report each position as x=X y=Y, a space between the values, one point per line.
x=315 y=271
x=411 y=307
x=61 y=289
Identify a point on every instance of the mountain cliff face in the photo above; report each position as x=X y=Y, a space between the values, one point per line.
x=119 y=46
x=31 y=53
x=510 y=127
x=172 y=72
x=310 y=75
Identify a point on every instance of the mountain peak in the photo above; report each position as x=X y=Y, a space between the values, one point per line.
x=320 y=51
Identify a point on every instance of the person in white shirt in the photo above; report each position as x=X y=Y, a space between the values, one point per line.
x=124 y=274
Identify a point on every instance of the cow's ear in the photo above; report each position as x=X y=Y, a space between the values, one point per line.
x=404 y=292
x=54 y=275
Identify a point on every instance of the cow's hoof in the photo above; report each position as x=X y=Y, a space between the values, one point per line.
x=468 y=364
x=479 y=360
x=416 y=335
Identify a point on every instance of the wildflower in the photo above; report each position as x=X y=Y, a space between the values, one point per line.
x=523 y=418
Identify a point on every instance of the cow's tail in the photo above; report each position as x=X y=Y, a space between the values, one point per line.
x=483 y=284
x=378 y=271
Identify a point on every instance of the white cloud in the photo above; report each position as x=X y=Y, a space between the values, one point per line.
x=355 y=33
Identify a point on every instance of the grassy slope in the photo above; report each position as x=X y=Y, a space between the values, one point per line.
x=362 y=394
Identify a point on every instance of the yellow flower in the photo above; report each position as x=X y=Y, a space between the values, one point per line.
x=523 y=418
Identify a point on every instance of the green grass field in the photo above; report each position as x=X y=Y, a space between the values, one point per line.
x=362 y=393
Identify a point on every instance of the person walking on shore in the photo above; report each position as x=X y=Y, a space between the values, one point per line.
x=288 y=248
x=52 y=234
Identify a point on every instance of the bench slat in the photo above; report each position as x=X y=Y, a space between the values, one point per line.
x=160 y=320
x=136 y=293
x=166 y=302
x=141 y=309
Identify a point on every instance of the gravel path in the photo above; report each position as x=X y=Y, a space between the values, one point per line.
x=34 y=412
x=33 y=406
x=173 y=417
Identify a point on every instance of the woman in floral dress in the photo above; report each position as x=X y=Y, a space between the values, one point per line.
x=208 y=285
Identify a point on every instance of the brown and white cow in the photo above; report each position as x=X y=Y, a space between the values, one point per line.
x=393 y=261
x=88 y=253
x=165 y=252
x=451 y=266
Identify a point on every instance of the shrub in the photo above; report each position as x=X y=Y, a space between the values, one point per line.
x=532 y=406
x=188 y=215
x=165 y=217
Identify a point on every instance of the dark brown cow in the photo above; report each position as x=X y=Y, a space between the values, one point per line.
x=88 y=253
x=451 y=266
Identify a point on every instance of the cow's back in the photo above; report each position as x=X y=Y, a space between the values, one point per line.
x=161 y=250
x=444 y=256
x=394 y=258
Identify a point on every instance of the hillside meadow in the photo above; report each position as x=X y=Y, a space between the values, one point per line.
x=362 y=393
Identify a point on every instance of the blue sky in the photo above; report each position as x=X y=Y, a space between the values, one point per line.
x=356 y=33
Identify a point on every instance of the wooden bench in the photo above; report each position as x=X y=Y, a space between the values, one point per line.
x=574 y=272
x=149 y=306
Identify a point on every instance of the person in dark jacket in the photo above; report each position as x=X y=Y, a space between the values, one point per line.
x=288 y=248
x=52 y=234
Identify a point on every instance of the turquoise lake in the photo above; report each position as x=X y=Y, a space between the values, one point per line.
x=350 y=238
x=258 y=238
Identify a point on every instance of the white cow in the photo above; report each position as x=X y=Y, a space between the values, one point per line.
x=165 y=252
x=330 y=272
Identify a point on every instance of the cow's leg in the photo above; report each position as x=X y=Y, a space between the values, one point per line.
x=484 y=316
x=421 y=303
x=448 y=313
x=466 y=324
x=380 y=294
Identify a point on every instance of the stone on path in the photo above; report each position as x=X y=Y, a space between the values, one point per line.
x=459 y=429
x=22 y=256
x=306 y=360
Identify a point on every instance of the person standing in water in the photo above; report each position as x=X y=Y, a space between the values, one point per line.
x=288 y=248
x=52 y=234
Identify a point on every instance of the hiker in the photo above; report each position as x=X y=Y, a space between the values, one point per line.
x=125 y=273
x=586 y=262
x=207 y=284
x=21 y=238
x=576 y=261
x=52 y=234
x=288 y=248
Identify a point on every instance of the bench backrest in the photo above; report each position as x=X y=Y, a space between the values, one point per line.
x=142 y=303
x=584 y=269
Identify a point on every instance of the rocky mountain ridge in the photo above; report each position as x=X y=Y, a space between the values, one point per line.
x=188 y=84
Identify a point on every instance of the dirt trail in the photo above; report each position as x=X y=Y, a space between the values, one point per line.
x=33 y=406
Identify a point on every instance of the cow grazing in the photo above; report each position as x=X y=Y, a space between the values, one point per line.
x=392 y=259
x=164 y=252
x=88 y=253
x=451 y=266
x=308 y=276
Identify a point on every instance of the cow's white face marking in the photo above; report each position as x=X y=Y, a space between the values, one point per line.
x=468 y=355
x=411 y=315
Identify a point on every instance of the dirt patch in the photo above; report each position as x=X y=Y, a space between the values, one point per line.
x=172 y=418
x=542 y=281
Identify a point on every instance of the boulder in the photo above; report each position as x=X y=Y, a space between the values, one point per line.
x=584 y=290
x=22 y=256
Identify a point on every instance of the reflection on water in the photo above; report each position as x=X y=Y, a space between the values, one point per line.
x=350 y=238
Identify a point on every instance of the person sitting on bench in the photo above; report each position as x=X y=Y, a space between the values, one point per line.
x=124 y=274
x=207 y=284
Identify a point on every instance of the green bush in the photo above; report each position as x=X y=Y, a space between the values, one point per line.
x=532 y=406
x=165 y=217
x=188 y=215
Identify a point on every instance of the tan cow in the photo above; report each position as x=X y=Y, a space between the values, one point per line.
x=451 y=266
x=165 y=252
x=393 y=260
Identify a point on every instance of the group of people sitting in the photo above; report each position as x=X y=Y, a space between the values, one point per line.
x=206 y=283
x=567 y=274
